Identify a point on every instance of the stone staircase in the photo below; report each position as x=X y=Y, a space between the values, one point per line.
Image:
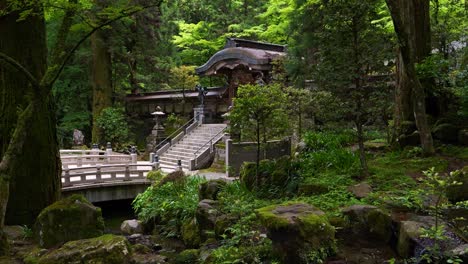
x=189 y=146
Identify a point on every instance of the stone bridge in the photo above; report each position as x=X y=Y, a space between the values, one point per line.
x=102 y=175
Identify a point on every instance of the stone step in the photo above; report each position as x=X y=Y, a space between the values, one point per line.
x=183 y=156
x=185 y=153
x=173 y=160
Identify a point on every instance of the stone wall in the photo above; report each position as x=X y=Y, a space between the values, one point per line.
x=239 y=152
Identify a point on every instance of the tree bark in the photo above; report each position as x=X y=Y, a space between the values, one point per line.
x=411 y=22
x=101 y=80
x=35 y=174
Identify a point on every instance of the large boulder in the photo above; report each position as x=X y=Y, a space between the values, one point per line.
x=370 y=221
x=447 y=133
x=210 y=189
x=104 y=249
x=130 y=227
x=69 y=219
x=298 y=231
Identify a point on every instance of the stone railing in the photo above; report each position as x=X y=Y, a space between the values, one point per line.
x=106 y=173
x=84 y=160
x=205 y=152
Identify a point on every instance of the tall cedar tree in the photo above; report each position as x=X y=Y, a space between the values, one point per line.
x=412 y=26
x=35 y=174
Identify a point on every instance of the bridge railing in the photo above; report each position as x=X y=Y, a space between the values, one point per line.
x=81 y=160
x=106 y=173
x=75 y=152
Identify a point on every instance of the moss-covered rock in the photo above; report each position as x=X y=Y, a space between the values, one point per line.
x=189 y=256
x=210 y=189
x=34 y=255
x=447 y=133
x=222 y=224
x=191 y=234
x=458 y=193
x=298 y=232
x=100 y=250
x=408 y=235
x=206 y=214
x=177 y=177
x=369 y=221
x=69 y=219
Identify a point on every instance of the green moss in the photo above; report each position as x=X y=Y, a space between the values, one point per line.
x=380 y=225
x=191 y=234
x=71 y=218
x=104 y=249
x=269 y=219
x=142 y=249
x=189 y=256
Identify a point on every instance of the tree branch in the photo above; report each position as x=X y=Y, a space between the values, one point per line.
x=20 y=68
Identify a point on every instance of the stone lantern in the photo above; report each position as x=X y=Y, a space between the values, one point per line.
x=157 y=134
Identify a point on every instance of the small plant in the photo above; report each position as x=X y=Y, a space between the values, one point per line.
x=27 y=232
x=437 y=186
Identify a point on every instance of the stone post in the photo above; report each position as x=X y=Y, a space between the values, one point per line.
x=199 y=114
x=179 y=165
x=151 y=157
x=228 y=153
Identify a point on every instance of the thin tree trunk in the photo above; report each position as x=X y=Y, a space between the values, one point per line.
x=101 y=80
x=34 y=175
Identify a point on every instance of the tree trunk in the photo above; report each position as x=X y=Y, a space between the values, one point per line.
x=35 y=174
x=101 y=80
x=411 y=21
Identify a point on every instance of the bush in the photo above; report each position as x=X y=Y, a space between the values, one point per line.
x=113 y=123
x=326 y=151
x=171 y=203
x=276 y=177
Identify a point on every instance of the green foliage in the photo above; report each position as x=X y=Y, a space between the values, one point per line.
x=326 y=151
x=172 y=123
x=276 y=177
x=259 y=113
x=113 y=123
x=183 y=78
x=171 y=203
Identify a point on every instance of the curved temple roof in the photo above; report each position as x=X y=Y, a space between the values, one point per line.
x=252 y=57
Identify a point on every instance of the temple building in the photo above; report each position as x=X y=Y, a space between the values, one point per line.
x=239 y=62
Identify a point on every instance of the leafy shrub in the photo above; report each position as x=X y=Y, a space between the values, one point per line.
x=276 y=177
x=113 y=123
x=322 y=141
x=169 y=203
